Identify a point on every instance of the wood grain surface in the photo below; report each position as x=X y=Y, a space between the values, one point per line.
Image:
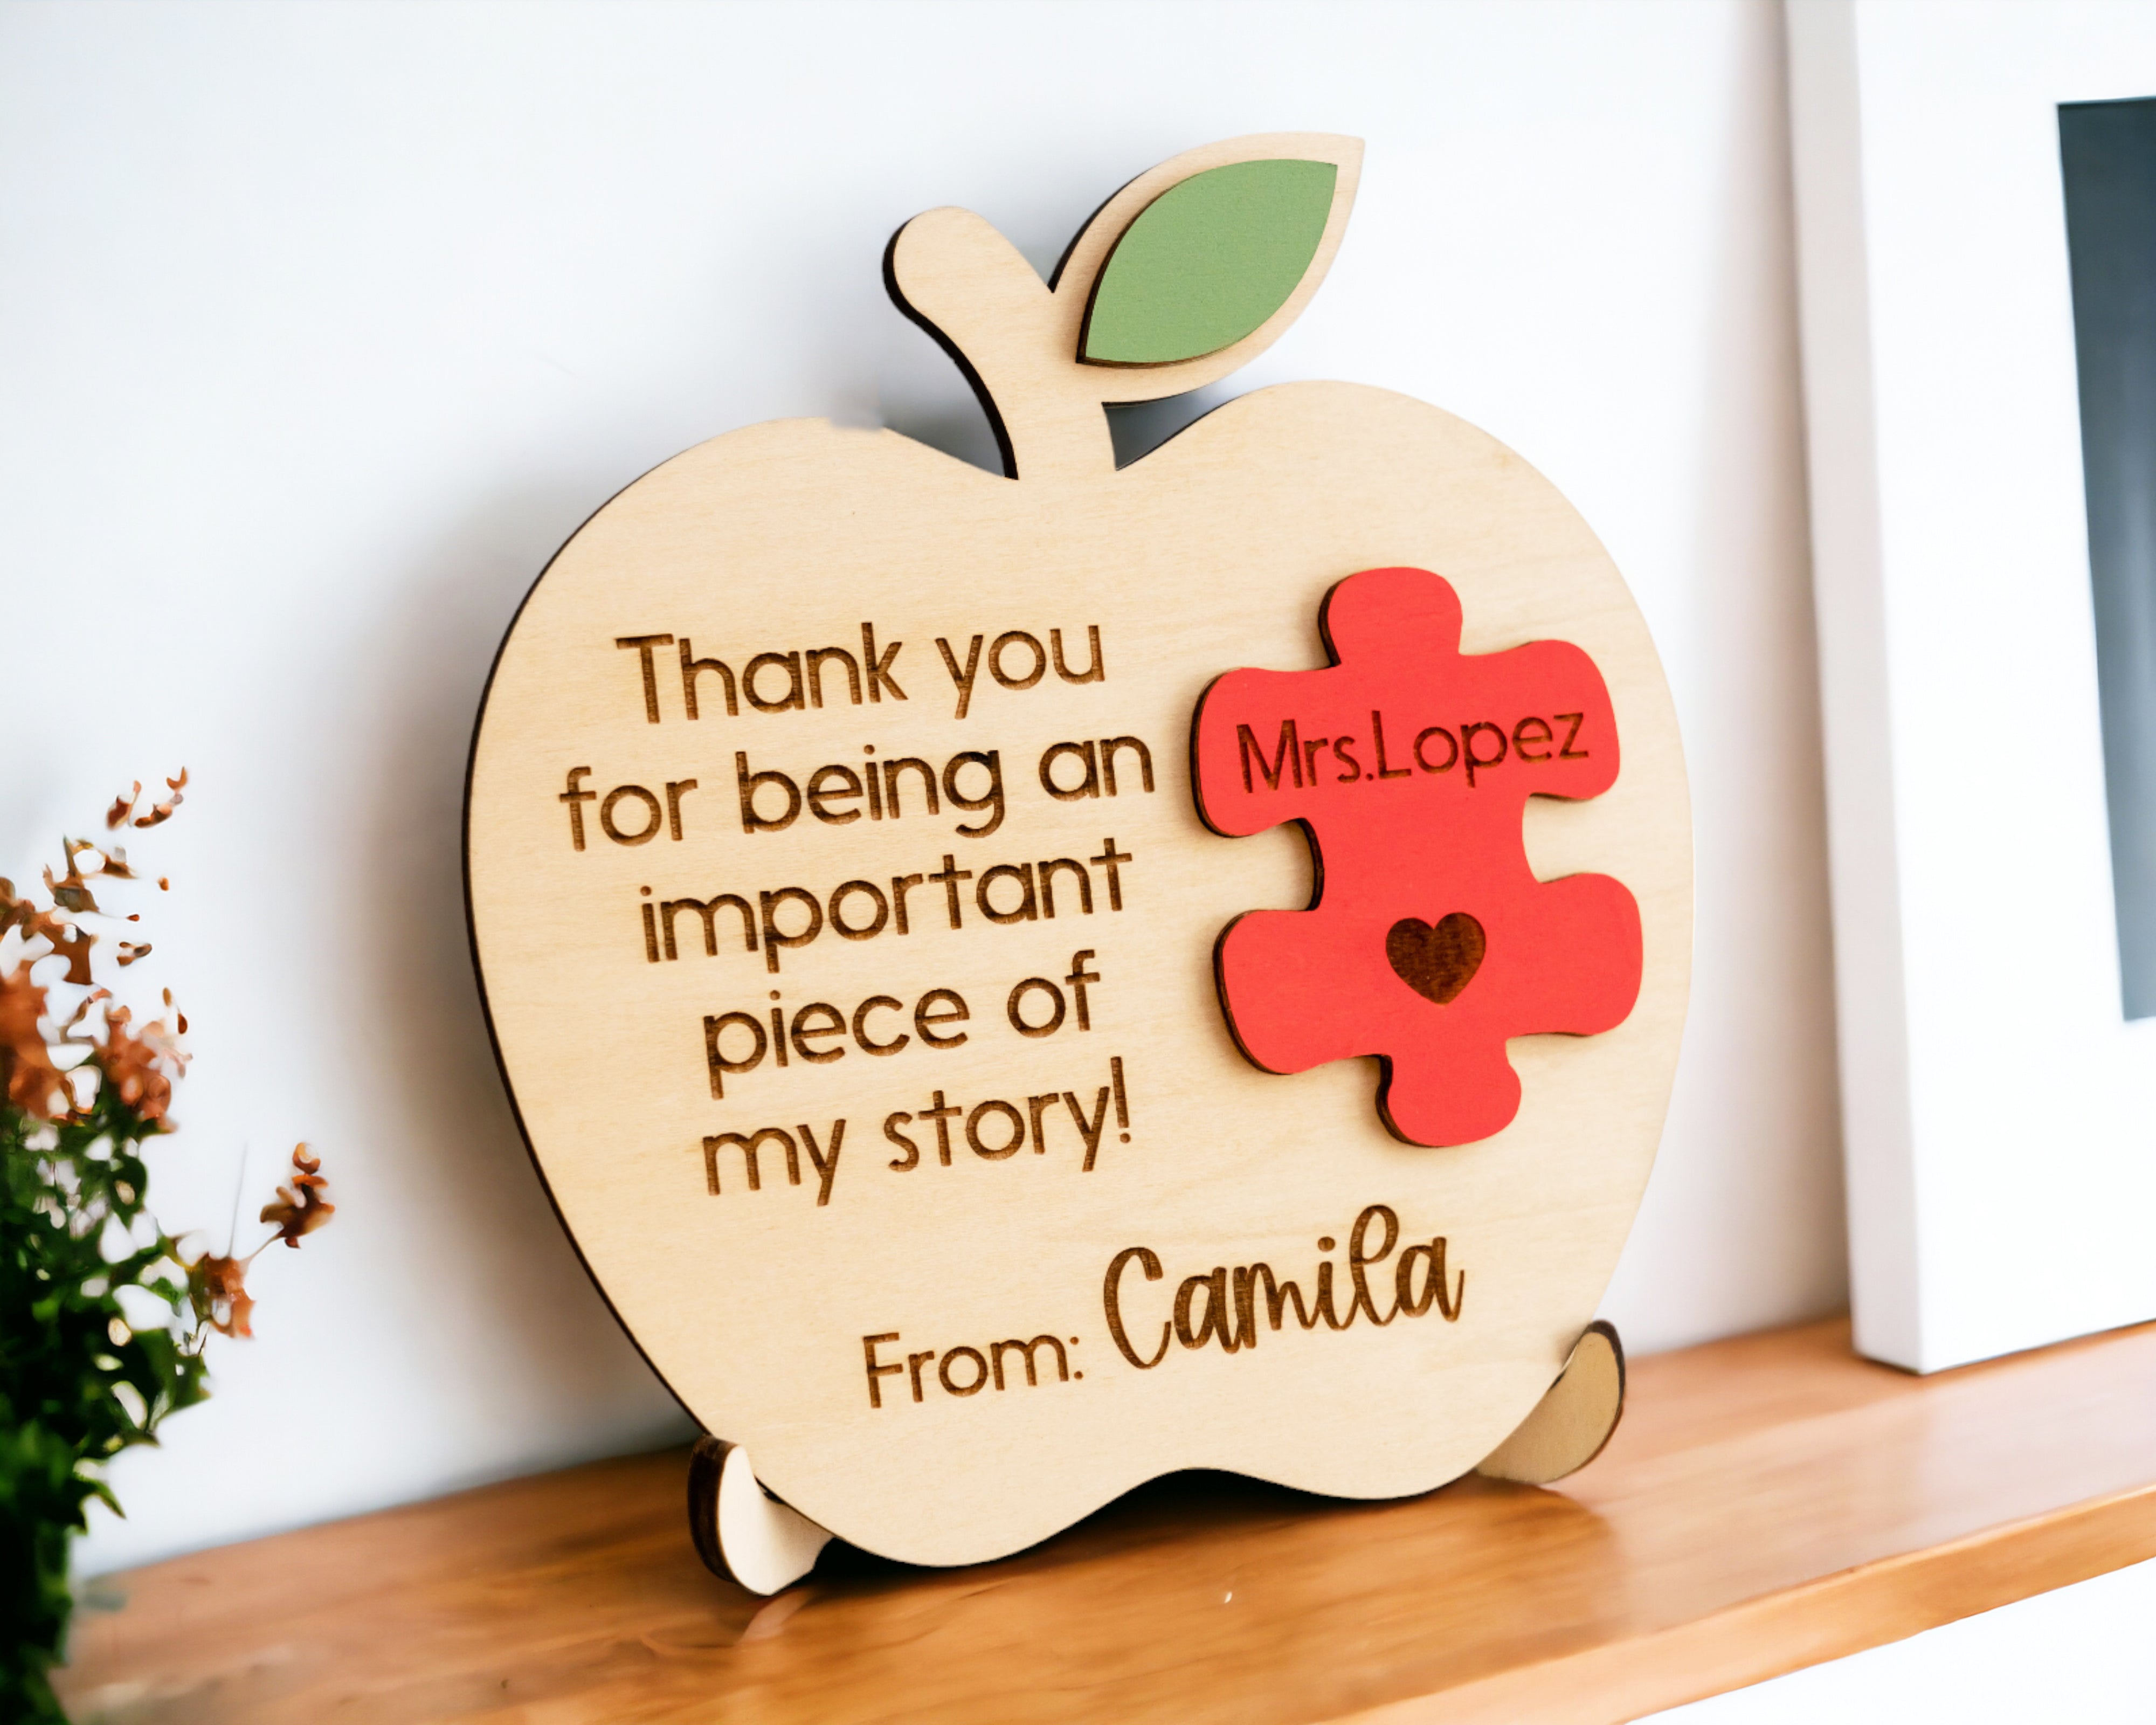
x=840 y=1262
x=835 y=867
x=1768 y=1503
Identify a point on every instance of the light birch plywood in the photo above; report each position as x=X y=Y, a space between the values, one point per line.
x=743 y=1533
x=1017 y=338
x=739 y=1530
x=1570 y=1425
x=919 y=1353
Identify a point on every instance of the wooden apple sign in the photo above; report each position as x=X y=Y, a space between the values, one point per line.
x=1017 y=985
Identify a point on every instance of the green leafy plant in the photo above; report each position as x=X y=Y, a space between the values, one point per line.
x=104 y=1315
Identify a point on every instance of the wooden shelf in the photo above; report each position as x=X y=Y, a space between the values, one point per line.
x=1769 y=1502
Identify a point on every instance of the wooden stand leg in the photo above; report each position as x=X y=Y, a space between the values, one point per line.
x=1570 y=1425
x=747 y=1536
x=740 y=1531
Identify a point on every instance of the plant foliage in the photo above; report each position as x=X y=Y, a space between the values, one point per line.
x=103 y=1315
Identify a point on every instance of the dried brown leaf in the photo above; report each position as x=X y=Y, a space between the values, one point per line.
x=300 y=1208
x=69 y=942
x=33 y=1083
x=140 y=1065
x=70 y=892
x=123 y=805
x=217 y=1288
x=163 y=811
x=82 y=1011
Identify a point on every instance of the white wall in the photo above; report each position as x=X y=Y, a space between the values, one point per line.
x=324 y=326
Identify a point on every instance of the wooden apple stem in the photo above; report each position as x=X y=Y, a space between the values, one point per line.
x=967 y=286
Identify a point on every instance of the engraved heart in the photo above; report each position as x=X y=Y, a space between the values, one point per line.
x=1436 y=963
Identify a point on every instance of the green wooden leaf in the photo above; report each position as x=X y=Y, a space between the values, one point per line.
x=1207 y=261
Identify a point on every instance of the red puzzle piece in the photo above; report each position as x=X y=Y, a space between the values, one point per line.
x=1429 y=940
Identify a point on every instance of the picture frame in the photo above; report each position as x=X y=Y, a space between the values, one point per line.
x=1998 y=1101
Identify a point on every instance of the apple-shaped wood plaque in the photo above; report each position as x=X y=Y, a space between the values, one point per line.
x=1017 y=985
